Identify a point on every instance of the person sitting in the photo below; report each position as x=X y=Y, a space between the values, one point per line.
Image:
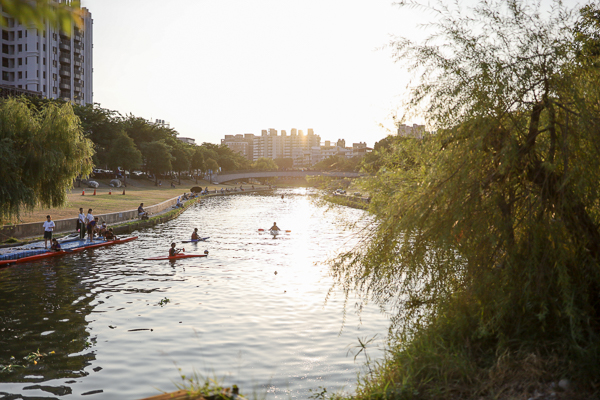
x=274 y=227
x=173 y=251
x=142 y=214
x=179 y=204
x=110 y=235
x=55 y=245
x=102 y=229
x=195 y=234
x=172 y=184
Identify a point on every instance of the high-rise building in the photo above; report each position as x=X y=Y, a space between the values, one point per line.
x=49 y=62
x=243 y=144
x=415 y=131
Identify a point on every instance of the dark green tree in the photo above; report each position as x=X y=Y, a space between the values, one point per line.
x=212 y=167
x=101 y=126
x=197 y=162
x=181 y=159
x=284 y=162
x=124 y=154
x=157 y=158
x=264 y=164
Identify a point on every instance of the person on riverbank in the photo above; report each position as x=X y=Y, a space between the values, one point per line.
x=173 y=251
x=142 y=214
x=48 y=229
x=274 y=227
x=81 y=224
x=55 y=245
x=195 y=235
x=89 y=218
x=102 y=229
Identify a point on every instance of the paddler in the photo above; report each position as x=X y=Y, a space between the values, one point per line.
x=55 y=245
x=110 y=235
x=173 y=251
x=274 y=227
x=195 y=234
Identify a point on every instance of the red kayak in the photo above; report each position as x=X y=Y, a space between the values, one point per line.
x=175 y=257
x=63 y=252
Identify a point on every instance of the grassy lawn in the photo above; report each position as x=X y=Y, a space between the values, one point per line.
x=137 y=191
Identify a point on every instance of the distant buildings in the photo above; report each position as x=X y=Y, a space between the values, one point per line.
x=304 y=150
x=48 y=63
x=415 y=131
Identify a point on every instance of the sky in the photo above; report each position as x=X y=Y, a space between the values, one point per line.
x=217 y=67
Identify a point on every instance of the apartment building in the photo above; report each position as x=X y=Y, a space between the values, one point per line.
x=49 y=62
x=415 y=131
x=243 y=144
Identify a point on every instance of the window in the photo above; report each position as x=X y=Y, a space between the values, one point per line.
x=44 y=34
x=20 y=75
x=44 y=88
x=54 y=49
x=20 y=61
x=20 y=34
x=25 y=74
x=54 y=90
x=37 y=74
x=25 y=46
x=44 y=47
x=20 y=86
x=44 y=60
x=37 y=59
x=54 y=63
x=54 y=36
x=44 y=78
x=26 y=60
x=20 y=47
x=53 y=76
x=37 y=46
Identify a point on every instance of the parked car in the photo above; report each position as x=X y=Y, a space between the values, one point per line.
x=93 y=184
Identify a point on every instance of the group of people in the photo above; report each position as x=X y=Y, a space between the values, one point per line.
x=90 y=224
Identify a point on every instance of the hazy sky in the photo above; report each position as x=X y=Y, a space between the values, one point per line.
x=211 y=67
x=217 y=67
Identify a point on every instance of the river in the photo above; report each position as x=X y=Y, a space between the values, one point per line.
x=253 y=313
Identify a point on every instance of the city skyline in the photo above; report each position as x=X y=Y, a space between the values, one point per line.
x=212 y=69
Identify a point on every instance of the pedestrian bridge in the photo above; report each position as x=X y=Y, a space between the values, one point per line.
x=242 y=175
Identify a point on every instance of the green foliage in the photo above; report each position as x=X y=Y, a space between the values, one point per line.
x=124 y=154
x=264 y=164
x=41 y=12
x=284 y=162
x=41 y=152
x=338 y=163
x=157 y=157
x=486 y=233
x=101 y=126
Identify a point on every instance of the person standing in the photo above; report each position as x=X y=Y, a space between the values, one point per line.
x=82 y=224
x=89 y=224
x=48 y=228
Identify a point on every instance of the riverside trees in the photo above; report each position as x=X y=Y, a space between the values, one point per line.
x=486 y=244
x=41 y=152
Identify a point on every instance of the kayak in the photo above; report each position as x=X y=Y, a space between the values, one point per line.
x=177 y=256
x=196 y=240
x=27 y=256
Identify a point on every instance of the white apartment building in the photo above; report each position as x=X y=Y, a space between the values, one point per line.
x=49 y=62
x=415 y=131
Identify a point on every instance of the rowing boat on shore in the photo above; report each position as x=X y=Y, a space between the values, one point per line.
x=23 y=255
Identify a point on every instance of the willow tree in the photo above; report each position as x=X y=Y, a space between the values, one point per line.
x=485 y=245
x=41 y=153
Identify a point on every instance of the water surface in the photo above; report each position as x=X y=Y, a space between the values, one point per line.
x=253 y=313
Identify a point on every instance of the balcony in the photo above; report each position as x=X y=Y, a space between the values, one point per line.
x=65 y=86
x=64 y=60
x=77 y=88
x=77 y=49
x=77 y=77
x=65 y=47
x=78 y=37
x=77 y=64
x=65 y=71
x=78 y=58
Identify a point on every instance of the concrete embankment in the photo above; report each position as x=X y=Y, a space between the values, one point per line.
x=160 y=213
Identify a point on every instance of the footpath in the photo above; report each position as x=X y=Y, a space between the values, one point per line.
x=121 y=222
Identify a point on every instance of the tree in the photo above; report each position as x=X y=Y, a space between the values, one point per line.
x=101 y=126
x=485 y=241
x=124 y=154
x=40 y=12
x=41 y=153
x=181 y=161
x=284 y=162
x=157 y=157
x=264 y=164
x=212 y=166
x=197 y=162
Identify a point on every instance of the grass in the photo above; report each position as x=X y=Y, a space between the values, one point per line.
x=137 y=191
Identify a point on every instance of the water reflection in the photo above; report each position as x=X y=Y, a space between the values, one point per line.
x=252 y=313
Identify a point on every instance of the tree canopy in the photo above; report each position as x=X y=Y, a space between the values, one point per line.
x=486 y=240
x=41 y=152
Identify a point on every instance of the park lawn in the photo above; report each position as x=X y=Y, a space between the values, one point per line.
x=136 y=192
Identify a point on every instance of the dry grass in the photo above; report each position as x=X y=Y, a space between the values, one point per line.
x=137 y=191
